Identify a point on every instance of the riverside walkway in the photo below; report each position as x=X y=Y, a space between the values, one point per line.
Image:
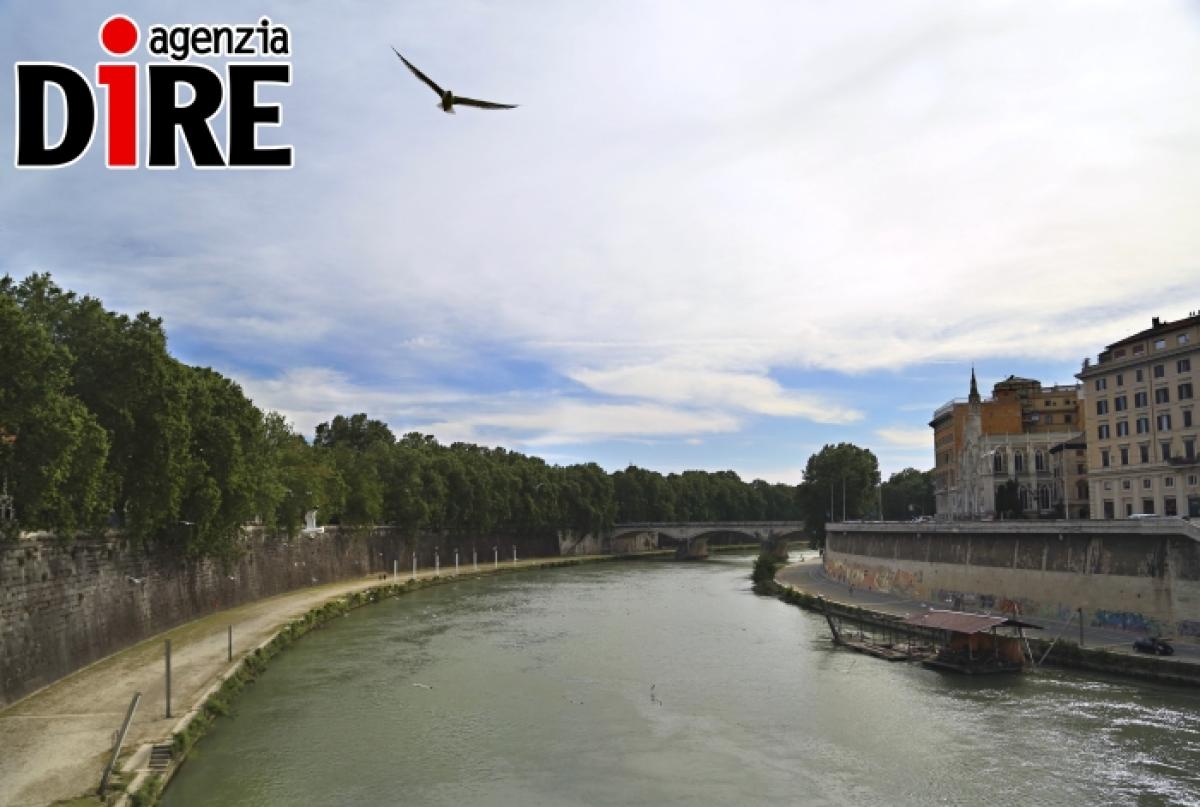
x=55 y=743
x=809 y=576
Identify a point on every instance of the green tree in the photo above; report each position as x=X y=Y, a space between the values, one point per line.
x=907 y=494
x=53 y=451
x=839 y=482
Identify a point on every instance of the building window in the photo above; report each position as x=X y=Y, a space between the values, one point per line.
x=1128 y=509
x=1143 y=425
x=1124 y=455
x=1122 y=428
x=998 y=462
x=1067 y=417
x=1026 y=504
x=1185 y=391
x=1193 y=480
x=1162 y=395
x=1169 y=482
x=1108 y=484
x=1108 y=509
x=1170 y=507
x=1144 y=453
x=1159 y=344
x=1121 y=403
x=1120 y=380
x=1081 y=491
x=1189 y=448
x=1039 y=460
x=1148 y=506
x=1183 y=366
x=1126 y=484
x=1160 y=370
x=1018 y=462
x=1104 y=458
x=1101 y=432
x=1140 y=399
x=1146 y=483
x=1165 y=450
x=1139 y=350
x=1164 y=422
x=1044 y=498
x=1101 y=383
x=1183 y=338
x=1187 y=418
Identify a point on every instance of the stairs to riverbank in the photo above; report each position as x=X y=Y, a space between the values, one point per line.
x=160 y=756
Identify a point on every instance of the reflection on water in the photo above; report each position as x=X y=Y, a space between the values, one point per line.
x=653 y=682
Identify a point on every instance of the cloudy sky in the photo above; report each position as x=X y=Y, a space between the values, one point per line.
x=714 y=234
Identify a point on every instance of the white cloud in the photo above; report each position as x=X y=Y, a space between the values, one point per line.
x=308 y=396
x=570 y=421
x=906 y=437
x=928 y=182
x=704 y=387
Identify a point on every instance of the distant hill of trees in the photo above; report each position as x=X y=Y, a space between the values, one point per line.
x=100 y=425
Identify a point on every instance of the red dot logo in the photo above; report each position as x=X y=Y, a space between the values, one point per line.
x=118 y=35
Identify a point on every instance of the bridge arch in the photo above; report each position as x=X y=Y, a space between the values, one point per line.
x=691 y=538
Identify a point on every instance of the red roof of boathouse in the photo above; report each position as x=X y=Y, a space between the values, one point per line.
x=960 y=622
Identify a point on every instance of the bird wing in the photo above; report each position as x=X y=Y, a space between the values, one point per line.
x=458 y=99
x=419 y=74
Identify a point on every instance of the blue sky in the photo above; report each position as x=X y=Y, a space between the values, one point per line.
x=714 y=235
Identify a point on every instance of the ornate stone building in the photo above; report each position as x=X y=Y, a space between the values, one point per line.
x=984 y=447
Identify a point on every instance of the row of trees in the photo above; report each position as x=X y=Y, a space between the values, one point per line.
x=100 y=425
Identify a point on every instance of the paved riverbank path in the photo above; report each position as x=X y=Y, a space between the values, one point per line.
x=55 y=743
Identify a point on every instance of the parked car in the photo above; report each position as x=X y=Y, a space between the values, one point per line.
x=1154 y=646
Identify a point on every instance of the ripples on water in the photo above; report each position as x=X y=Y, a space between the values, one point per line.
x=535 y=689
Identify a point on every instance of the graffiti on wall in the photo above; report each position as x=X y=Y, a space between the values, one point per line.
x=911 y=585
x=1125 y=620
x=870 y=578
x=1188 y=627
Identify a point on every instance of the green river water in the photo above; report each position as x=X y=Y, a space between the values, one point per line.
x=666 y=683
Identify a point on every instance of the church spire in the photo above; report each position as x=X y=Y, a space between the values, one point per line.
x=974 y=396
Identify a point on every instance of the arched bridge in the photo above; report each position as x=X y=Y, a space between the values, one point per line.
x=691 y=537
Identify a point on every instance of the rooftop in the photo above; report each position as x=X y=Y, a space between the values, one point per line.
x=961 y=622
x=1158 y=326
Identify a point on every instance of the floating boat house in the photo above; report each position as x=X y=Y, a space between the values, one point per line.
x=971 y=643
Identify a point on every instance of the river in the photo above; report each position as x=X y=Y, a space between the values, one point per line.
x=666 y=683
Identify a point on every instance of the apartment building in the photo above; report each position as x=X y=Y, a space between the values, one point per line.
x=982 y=445
x=1139 y=397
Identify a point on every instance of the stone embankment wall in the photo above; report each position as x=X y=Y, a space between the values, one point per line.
x=1140 y=577
x=65 y=604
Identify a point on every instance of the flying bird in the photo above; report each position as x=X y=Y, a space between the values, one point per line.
x=449 y=99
